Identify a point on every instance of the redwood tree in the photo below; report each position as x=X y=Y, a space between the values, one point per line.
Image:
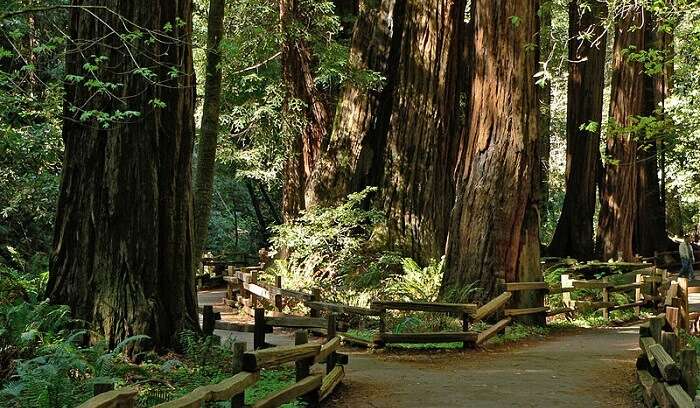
x=574 y=234
x=305 y=109
x=209 y=133
x=631 y=216
x=122 y=256
x=494 y=231
x=402 y=136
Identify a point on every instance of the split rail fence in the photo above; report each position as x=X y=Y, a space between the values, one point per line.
x=311 y=387
x=667 y=372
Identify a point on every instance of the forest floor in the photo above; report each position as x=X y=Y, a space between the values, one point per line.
x=573 y=368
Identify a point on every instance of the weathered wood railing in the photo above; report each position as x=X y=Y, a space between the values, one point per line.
x=311 y=387
x=666 y=371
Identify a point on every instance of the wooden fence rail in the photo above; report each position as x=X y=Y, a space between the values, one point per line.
x=666 y=372
x=313 y=388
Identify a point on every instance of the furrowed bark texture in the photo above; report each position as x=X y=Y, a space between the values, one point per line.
x=402 y=137
x=574 y=234
x=122 y=256
x=206 y=150
x=303 y=102
x=650 y=231
x=544 y=40
x=495 y=228
x=632 y=218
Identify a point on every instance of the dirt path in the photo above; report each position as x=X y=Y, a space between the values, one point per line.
x=589 y=368
x=592 y=368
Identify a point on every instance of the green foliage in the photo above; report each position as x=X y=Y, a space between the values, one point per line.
x=325 y=241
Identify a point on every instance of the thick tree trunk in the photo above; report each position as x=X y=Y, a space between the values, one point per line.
x=650 y=231
x=402 y=137
x=122 y=256
x=632 y=218
x=574 y=234
x=545 y=100
x=494 y=231
x=305 y=110
x=206 y=148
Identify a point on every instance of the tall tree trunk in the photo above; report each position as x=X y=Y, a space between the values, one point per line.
x=494 y=231
x=304 y=103
x=574 y=234
x=650 y=231
x=402 y=137
x=122 y=256
x=206 y=148
x=545 y=99
x=258 y=212
x=632 y=219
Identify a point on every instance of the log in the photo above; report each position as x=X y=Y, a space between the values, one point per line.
x=330 y=381
x=672 y=396
x=427 y=307
x=298 y=389
x=297 y=322
x=627 y=306
x=668 y=368
x=687 y=360
x=122 y=398
x=521 y=312
x=626 y=287
x=560 y=311
x=587 y=304
x=340 y=308
x=239 y=327
x=225 y=390
x=492 y=306
x=591 y=284
x=645 y=343
x=258 y=290
x=440 y=337
x=255 y=360
x=491 y=331
x=517 y=286
x=348 y=338
x=553 y=290
x=647 y=382
x=327 y=349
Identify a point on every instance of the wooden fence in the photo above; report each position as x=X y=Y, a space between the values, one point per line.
x=311 y=387
x=666 y=371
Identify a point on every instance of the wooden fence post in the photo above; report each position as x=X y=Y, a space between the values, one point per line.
x=229 y=285
x=687 y=359
x=465 y=328
x=331 y=359
x=239 y=348
x=253 y=298
x=638 y=293
x=566 y=296
x=279 y=306
x=303 y=367
x=683 y=295
x=259 y=331
x=316 y=297
x=208 y=320
x=606 y=299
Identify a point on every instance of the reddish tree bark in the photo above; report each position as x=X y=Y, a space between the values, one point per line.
x=304 y=102
x=401 y=137
x=494 y=231
x=632 y=217
x=122 y=256
x=574 y=234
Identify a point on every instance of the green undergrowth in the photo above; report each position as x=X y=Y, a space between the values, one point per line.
x=272 y=381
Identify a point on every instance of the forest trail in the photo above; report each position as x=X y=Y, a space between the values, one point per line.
x=588 y=368
x=581 y=368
